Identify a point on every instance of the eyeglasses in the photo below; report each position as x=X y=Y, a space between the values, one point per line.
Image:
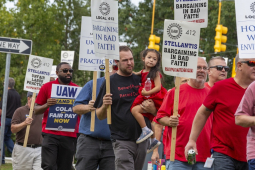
x=249 y=63
x=201 y=68
x=115 y=67
x=66 y=70
x=220 y=68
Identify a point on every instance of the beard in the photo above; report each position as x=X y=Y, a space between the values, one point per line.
x=64 y=79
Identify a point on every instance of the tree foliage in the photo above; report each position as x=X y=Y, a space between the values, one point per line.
x=56 y=26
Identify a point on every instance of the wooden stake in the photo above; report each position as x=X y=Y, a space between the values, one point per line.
x=107 y=77
x=30 y=115
x=93 y=113
x=174 y=129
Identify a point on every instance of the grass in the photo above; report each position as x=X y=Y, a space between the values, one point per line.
x=6 y=167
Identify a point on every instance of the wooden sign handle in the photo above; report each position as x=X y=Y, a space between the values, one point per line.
x=30 y=115
x=175 y=113
x=94 y=91
x=107 y=77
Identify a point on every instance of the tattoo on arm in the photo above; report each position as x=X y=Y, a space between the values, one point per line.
x=208 y=109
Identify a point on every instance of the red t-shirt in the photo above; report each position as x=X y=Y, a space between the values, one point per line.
x=43 y=95
x=207 y=85
x=190 y=99
x=227 y=137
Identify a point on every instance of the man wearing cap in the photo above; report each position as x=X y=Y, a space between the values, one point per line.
x=26 y=158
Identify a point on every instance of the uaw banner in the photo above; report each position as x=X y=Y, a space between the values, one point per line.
x=68 y=57
x=245 y=23
x=61 y=116
x=180 y=48
x=38 y=73
x=87 y=58
x=104 y=14
x=192 y=11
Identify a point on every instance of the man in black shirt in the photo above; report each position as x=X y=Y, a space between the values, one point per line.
x=124 y=128
x=13 y=102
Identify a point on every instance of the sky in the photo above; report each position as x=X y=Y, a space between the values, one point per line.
x=11 y=4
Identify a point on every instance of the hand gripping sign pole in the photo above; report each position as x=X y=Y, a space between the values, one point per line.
x=30 y=116
x=175 y=113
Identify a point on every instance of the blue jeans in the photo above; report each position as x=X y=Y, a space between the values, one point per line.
x=7 y=138
x=251 y=164
x=224 y=162
x=174 y=165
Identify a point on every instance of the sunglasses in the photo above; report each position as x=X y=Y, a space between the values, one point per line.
x=114 y=67
x=249 y=63
x=220 y=68
x=66 y=70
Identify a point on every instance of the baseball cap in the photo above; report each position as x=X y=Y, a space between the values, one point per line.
x=29 y=94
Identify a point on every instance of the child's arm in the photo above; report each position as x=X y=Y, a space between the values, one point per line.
x=137 y=73
x=156 y=89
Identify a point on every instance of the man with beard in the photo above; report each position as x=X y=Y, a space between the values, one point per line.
x=125 y=130
x=58 y=147
x=192 y=95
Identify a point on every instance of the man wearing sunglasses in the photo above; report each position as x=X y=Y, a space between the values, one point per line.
x=217 y=70
x=58 y=147
x=228 y=140
x=93 y=148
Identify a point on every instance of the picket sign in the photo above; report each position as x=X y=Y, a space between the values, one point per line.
x=104 y=15
x=36 y=76
x=179 y=58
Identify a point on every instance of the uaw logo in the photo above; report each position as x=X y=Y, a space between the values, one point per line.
x=102 y=67
x=174 y=31
x=65 y=54
x=104 y=8
x=36 y=62
x=60 y=128
x=252 y=7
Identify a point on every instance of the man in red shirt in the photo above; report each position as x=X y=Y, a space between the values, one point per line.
x=217 y=70
x=58 y=147
x=192 y=95
x=228 y=140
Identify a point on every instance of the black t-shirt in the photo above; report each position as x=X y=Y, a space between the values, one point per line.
x=124 y=91
x=13 y=102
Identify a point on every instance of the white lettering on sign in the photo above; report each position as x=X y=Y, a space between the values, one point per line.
x=64 y=109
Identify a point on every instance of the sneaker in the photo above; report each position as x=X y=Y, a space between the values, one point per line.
x=144 y=135
x=153 y=145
